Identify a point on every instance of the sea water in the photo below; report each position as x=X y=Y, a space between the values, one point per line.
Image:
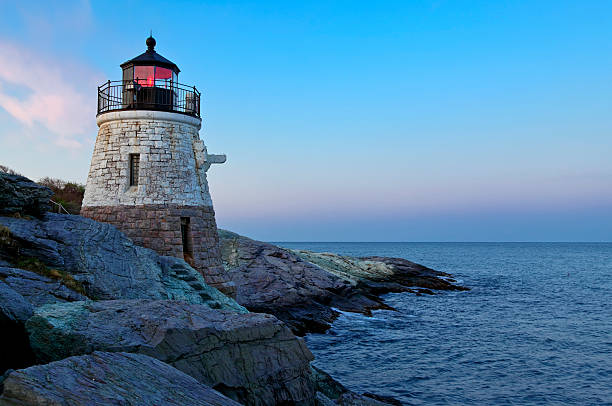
x=535 y=328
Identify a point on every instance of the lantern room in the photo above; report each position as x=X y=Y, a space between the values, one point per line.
x=150 y=69
x=149 y=82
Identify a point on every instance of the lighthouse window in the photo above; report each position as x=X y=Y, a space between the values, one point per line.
x=128 y=74
x=163 y=77
x=162 y=73
x=186 y=237
x=145 y=75
x=149 y=76
x=134 y=167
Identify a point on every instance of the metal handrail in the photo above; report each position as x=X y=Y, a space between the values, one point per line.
x=142 y=94
x=59 y=206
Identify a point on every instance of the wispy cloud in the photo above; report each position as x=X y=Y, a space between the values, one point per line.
x=50 y=94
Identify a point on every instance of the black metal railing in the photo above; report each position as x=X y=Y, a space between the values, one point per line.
x=162 y=95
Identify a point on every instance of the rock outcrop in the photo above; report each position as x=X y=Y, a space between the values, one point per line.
x=37 y=289
x=13 y=307
x=304 y=289
x=252 y=358
x=14 y=347
x=105 y=262
x=20 y=292
x=104 y=378
x=273 y=280
x=19 y=195
x=381 y=275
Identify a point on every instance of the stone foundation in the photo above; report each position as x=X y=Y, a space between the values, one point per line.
x=159 y=227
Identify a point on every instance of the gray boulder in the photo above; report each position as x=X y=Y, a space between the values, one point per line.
x=14 y=311
x=252 y=358
x=19 y=194
x=104 y=378
x=106 y=263
x=14 y=308
x=20 y=292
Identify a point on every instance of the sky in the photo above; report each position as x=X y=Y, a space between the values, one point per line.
x=345 y=120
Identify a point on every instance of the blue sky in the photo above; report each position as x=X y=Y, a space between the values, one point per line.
x=346 y=120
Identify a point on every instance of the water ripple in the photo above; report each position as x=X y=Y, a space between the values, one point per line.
x=536 y=328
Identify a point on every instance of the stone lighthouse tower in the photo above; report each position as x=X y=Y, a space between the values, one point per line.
x=148 y=170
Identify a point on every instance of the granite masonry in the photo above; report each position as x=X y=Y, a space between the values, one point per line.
x=148 y=178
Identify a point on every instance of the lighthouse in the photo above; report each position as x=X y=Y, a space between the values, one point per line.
x=148 y=170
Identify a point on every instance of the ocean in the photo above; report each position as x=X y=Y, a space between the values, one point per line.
x=535 y=328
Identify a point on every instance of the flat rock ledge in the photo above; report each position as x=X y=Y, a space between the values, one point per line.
x=37 y=289
x=104 y=378
x=251 y=358
x=380 y=275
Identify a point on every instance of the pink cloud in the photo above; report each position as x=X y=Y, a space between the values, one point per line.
x=54 y=98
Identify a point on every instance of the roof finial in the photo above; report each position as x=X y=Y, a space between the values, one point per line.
x=151 y=42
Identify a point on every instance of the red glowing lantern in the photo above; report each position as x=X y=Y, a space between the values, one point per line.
x=150 y=81
x=150 y=69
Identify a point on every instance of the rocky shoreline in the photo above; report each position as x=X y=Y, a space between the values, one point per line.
x=88 y=317
x=304 y=288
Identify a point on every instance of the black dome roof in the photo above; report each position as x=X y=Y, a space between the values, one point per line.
x=150 y=57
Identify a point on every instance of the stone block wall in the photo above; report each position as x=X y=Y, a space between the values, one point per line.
x=169 y=172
